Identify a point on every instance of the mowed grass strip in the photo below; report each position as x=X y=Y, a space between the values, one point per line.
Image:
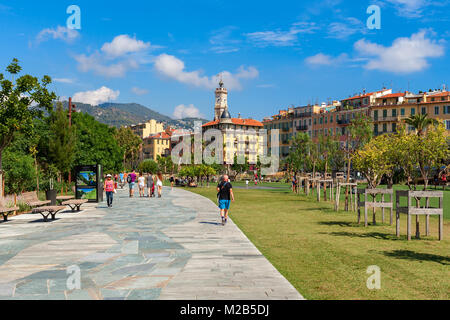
x=325 y=254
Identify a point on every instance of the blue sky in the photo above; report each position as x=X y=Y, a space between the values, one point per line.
x=167 y=54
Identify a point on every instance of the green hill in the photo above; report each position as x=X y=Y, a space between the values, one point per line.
x=126 y=114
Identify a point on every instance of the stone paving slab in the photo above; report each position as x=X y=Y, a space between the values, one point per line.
x=168 y=248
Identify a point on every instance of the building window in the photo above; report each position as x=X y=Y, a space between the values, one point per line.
x=331 y=119
x=436 y=110
x=375 y=128
x=326 y=119
x=402 y=112
x=385 y=113
x=448 y=125
x=384 y=127
x=321 y=120
x=375 y=115
x=394 y=112
x=446 y=109
x=394 y=127
x=413 y=111
x=424 y=110
x=315 y=120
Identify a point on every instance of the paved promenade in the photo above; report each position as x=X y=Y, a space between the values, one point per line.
x=168 y=248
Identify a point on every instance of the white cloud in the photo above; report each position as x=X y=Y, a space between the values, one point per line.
x=98 y=65
x=223 y=42
x=123 y=44
x=61 y=33
x=64 y=80
x=321 y=59
x=343 y=30
x=280 y=38
x=174 y=68
x=115 y=58
x=181 y=111
x=96 y=97
x=405 y=55
x=410 y=8
x=139 y=91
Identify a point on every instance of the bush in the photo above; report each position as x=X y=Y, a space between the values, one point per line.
x=20 y=173
x=148 y=166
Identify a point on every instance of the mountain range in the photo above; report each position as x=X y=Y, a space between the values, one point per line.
x=127 y=114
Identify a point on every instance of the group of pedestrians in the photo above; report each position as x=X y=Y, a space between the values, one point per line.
x=151 y=182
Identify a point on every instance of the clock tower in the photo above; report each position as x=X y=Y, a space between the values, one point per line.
x=221 y=103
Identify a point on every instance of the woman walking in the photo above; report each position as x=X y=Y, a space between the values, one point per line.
x=150 y=185
x=109 y=188
x=159 y=184
x=141 y=184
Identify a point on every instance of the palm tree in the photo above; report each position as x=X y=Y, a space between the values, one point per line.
x=421 y=122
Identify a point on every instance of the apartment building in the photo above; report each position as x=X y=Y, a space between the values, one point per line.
x=284 y=122
x=147 y=129
x=390 y=110
x=156 y=145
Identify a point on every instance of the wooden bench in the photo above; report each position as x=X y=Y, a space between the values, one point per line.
x=48 y=210
x=75 y=204
x=5 y=211
x=31 y=199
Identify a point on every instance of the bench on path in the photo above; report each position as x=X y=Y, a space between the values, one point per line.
x=48 y=210
x=75 y=204
x=5 y=211
x=31 y=199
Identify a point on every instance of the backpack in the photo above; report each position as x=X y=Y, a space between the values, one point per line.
x=129 y=179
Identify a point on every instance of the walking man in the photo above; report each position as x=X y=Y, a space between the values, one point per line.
x=225 y=196
x=131 y=179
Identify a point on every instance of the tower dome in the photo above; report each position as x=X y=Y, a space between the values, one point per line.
x=225 y=117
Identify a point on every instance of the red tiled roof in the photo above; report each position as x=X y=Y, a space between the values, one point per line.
x=161 y=135
x=238 y=121
x=442 y=94
x=393 y=95
x=363 y=95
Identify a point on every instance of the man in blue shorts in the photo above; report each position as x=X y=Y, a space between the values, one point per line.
x=225 y=196
x=131 y=182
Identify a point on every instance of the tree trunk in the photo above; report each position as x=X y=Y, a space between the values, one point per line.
x=37 y=174
x=348 y=181
x=325 y=177
x=1 y=176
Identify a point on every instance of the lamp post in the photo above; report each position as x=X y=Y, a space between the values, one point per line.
x=71 y=108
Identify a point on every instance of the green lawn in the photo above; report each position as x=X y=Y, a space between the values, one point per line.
x=325 y=254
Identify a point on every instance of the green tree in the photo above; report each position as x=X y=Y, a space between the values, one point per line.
x=299 y=158
x=358 y=134
x=62 y=141
x=20 y=172
x=166 y=165
x=129 y=143
x=96 y=143
x=149 y=166
x=421 y=122
x=21 y=101
x=373 y=160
